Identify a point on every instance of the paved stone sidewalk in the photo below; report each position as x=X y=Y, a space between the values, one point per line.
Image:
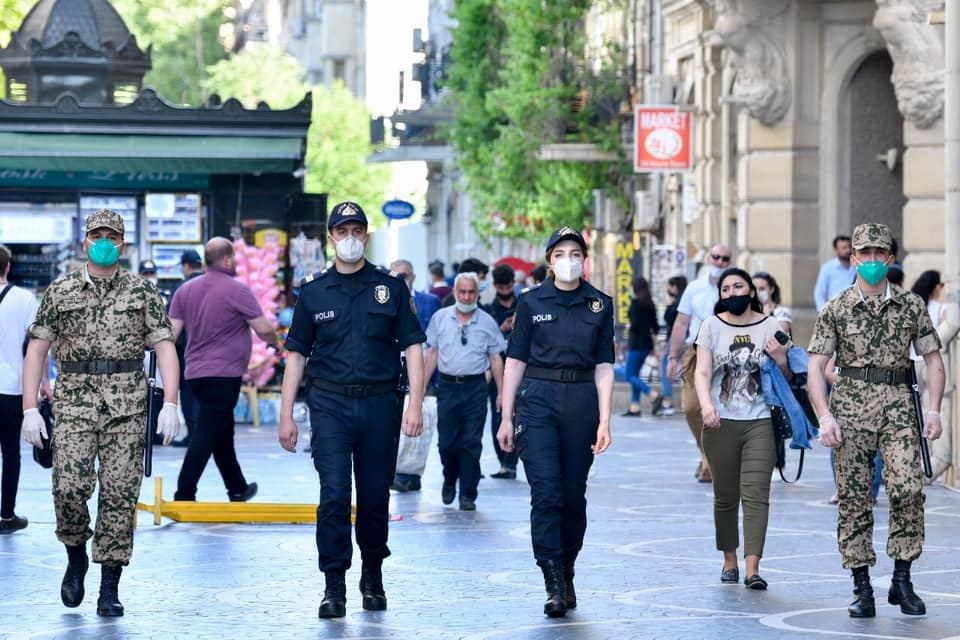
x=649 y=568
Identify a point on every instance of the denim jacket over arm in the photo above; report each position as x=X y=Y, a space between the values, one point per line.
x=777 y=392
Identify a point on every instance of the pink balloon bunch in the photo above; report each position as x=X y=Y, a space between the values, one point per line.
x=257 y=268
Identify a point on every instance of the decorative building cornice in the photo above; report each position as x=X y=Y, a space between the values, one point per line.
x=761 y=81
x=917 y=52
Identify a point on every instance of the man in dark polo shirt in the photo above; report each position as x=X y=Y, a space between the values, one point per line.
x=217 y=312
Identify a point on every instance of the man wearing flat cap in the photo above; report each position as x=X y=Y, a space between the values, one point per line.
x=99 y=320
x=351 y=324
x=871 y=327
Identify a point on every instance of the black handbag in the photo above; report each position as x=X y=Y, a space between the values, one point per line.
x=43 y=456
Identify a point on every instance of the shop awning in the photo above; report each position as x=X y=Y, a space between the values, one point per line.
x=182 y=154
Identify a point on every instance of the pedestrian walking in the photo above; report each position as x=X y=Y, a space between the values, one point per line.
x=18 y=307
x=191 y=265
x=643 y=329
x=217 y=311
x=464 y=342
x=871 y=327
x=557 y=397
x=351 y=323
x=99 y=320
x=502 y=309
x=696 y=305
x=676 y=285
x=732 y=346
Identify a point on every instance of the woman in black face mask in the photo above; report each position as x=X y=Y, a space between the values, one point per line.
x=737 y=433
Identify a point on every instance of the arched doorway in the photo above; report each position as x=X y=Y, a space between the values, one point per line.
x=874 y=148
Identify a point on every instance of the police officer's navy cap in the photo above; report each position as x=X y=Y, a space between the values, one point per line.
x=105 y=219
x=190 y=257
x=872 y=234
x=566 y=233
x=345 y=212
x=148 y=266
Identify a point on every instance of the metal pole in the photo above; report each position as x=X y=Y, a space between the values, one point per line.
x=951 y=128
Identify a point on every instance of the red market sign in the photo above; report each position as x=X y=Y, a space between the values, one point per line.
x=663 y=139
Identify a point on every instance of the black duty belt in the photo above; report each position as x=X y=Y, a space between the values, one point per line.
x=102 y=367
x=462 y=379
x=559 y=375
x=876 y=375
x=355 y=390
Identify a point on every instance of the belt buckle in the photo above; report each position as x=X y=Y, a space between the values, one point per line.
x=98 y=367
x=890 y=376
x=566 y=375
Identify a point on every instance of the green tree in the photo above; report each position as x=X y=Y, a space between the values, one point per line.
x=520 y=81
x=338 y=142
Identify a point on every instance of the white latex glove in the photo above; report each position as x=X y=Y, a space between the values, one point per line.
x=168 y=423
x=34 y=429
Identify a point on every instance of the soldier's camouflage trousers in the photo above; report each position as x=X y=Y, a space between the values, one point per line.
x=899 y=450
x=118 y=444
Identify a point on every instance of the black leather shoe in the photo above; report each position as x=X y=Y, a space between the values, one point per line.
x=334 y=604
x=467 y=504
x=247 y=493
x=108 y=604
x=902 y=593
x=448 y=493
x=71 y=589
x=371 y=588
x=865 y=605
x=11 y=524
x=730 y=576
x=505 y=473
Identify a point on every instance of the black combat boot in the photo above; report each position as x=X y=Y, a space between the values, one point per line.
x=334 y=604
x=108 y=604
x=901 y=591
x=568 y=574
x=556 y=604
x=71 y=589
x=864 y=606
x=371 y=586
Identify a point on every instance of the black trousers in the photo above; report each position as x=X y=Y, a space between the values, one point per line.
x=11 y=418
x=362 y=435
x=214 y=434
x=508 y=459
x=555 y=424
x=461 y=412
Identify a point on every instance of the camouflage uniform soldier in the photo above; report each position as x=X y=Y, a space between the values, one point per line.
x=99 y=320
x=871 y=326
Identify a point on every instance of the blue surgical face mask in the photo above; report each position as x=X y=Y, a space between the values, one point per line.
x=103 y=252
x=482 y=286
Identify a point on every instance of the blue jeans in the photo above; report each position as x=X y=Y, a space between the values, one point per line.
x=635 y=360
x=666 y=384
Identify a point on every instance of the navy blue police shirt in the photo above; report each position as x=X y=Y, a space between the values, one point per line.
x=352 y=328
x=563 y=329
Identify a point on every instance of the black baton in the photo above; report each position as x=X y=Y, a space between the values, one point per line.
x=151 y=424
x=918 y=413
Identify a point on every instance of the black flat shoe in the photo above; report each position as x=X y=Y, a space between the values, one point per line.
x=730 y=576
x=755 y=582
x=629 y=413
x=245 y=495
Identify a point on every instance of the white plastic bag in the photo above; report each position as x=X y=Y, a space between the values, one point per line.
x=413 y=452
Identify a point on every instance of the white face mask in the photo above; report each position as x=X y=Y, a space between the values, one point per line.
x=763 y=296
x=350 y=250
x=567 y=270
x=464 y=307
x=715 y=272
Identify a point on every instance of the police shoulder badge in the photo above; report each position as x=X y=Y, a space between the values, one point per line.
x=595 y=305
x=381 y=293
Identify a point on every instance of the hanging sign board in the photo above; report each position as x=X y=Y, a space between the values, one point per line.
x=663 y=139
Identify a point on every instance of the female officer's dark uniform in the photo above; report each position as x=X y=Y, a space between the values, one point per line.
x=562 y=336
x=353 y=329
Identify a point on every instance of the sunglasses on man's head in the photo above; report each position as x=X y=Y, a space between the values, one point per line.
x=720 y=258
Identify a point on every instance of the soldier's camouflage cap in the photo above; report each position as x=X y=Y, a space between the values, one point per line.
x=105 y=218
x=872 y=234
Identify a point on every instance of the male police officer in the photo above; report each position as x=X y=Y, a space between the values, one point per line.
x=99 y=319
x=871 y=326
x=350 y=325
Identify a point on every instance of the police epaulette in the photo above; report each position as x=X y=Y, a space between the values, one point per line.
x=530 y=288
x=314 y=276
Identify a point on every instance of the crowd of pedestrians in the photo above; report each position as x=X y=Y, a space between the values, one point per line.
x=537 y=363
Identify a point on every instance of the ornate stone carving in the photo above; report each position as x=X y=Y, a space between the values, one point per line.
x=761 y=80
x=917 y=52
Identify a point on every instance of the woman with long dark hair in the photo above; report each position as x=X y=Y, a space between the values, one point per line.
x=643 y=328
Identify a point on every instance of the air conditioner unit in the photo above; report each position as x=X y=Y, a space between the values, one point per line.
x=646 y=210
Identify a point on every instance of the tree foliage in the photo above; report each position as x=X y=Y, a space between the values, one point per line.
x=519 y=81
x=338 y=142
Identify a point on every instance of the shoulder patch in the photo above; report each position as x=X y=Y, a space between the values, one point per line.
x=314 y=276
x=530 y=288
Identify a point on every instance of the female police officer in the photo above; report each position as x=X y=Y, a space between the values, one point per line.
x=559 y=378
